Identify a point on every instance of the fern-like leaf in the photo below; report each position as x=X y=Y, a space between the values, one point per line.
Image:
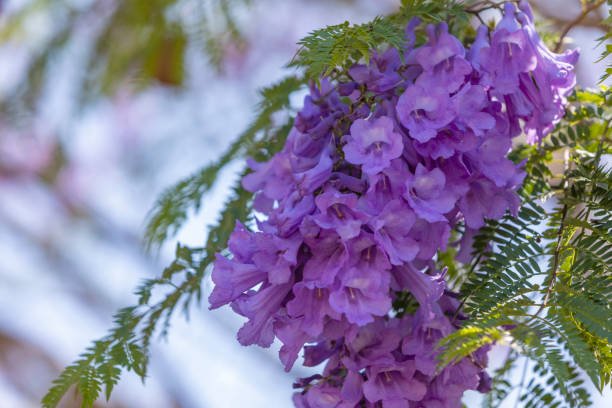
x=173 y=206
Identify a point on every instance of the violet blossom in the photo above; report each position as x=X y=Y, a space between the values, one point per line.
x=376 y=172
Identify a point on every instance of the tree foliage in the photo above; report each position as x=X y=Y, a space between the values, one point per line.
x=541 y=281
x=333 y=49
x=127 y=345
x=171 y=209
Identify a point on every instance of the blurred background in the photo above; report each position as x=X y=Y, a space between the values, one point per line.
x=103 y=104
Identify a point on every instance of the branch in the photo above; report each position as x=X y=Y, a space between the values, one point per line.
x=467 y=276
x=591 y=20
x=557 y=256
x=585 y=12
x=559 y=244
x=521 y=384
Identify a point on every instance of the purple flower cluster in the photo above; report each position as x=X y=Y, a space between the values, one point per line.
x=392 y=363
x=521 y=71
x=375 y=173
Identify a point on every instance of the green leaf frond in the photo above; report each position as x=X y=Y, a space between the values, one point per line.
x=541 y=281
x=174 y=205
x=606 y=42
x=336 y=48
x=126 y=347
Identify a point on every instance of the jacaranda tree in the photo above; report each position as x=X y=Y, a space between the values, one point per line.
x=443 y=189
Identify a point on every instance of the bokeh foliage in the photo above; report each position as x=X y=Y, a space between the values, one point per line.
x=134 y=44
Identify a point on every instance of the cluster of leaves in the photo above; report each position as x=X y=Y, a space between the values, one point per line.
x=173 y=206
x=334 y=49
x=541 y=281
x=127 y=345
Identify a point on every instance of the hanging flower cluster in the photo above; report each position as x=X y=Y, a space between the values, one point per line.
x=375 y=173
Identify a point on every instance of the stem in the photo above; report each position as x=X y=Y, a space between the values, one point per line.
x=522 y=383
x=472 y=268
x=559 y=244
x=556 y=255
x=560 y=21
x=486 y=5
x=594 y=182
x=477 y=14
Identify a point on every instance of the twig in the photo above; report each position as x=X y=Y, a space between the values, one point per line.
x=585 y=11
x=481 y=6
x=522 y=383
x=477 y=14
x=558 y=246
x=600 y=146
x=560 y=21
x=467 y=276
x=556 y=259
